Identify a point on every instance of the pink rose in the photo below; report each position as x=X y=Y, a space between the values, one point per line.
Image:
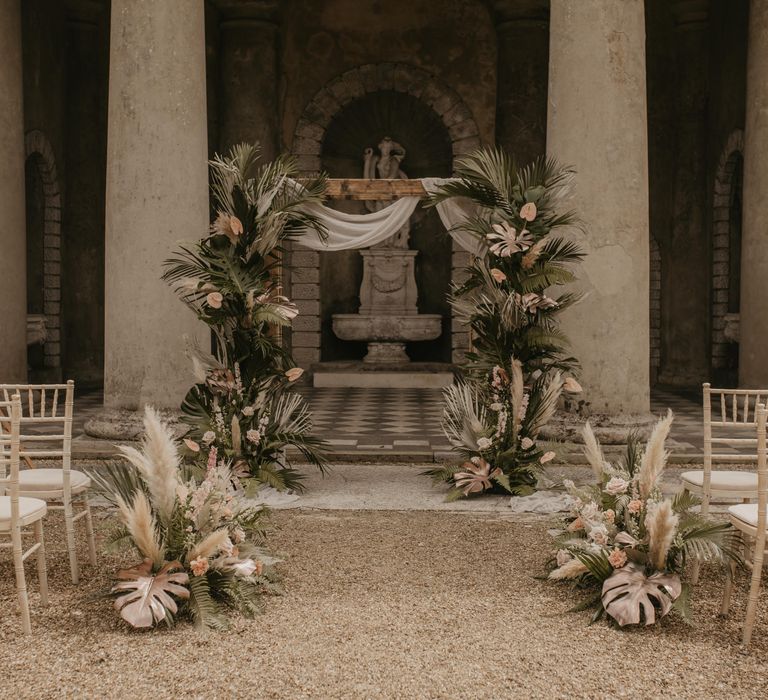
x=616 y=485
x=199 y=566
x=526 y=443
x=635 y=506
x=609 y=516
x=528 y=211
x=617 y=558
x=214 y=300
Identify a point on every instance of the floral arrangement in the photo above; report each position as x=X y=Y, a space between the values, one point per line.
x=241 y=403
x=628 y=543
x=518 y=367
x=199 y=537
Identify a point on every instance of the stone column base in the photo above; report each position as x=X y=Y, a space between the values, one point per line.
x=118 y=424
x=386 y=353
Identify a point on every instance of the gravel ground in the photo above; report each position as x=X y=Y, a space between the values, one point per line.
x=381 y=604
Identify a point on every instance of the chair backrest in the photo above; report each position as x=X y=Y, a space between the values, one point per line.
x=730 y=417
x=10 y=444
x=46 y=422
x=762 y=467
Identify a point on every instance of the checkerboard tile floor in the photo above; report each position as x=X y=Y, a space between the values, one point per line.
x=398 y=421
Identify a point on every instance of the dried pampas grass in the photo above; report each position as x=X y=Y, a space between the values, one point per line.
x=593 y=452
x=661 y=523
x=210 y=545
x=138 y=519
x=571 y=569
x=654 y=457
x=158 y=462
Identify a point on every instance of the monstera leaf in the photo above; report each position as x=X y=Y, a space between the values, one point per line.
x=629 y=590
x=149 y=597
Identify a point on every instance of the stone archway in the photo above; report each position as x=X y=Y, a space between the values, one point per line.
x=39 y=153
x=725 y=251
x=307 y=147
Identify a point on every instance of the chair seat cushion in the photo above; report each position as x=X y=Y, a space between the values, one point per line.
x=723 y=480
x=33 y=480
x=746 y=512
x=30 y=509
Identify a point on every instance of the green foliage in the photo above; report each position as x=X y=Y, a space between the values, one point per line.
x=516 y=370
x=242 y=403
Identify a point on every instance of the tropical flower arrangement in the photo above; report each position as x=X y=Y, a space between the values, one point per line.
x=242 y=403
x=198 y=535
x=519 y=367
x=628 y=544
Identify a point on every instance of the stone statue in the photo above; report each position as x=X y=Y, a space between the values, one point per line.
x=385 y=165
x=388 y=315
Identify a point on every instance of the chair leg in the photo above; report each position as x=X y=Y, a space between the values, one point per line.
x=21 y=583
x=42 y=569
x=69 y=527
x=726 y=606
x=89 y=532
x=754 y=594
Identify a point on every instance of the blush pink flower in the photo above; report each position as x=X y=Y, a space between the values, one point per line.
x=616 y=485
x=571 y=386
x=528 y=211
x=577 y=524
x=199 y=566
x=635 y=506
x=214 y=300
x=526 y=443
x=294 y=373
x=547 y=457
x=617 y=558
x=191 y=445
x=609 y=516
x=498 y=275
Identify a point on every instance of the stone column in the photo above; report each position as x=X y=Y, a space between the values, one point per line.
x=249 y=76
x=522 y=32
x=597 y=123
x=753 y=325
x=157 y=194
x=13 y=235
x=686 y=273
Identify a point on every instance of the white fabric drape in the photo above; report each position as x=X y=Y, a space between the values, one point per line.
x=351 y=231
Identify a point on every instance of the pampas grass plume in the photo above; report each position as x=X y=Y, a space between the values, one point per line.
x=593 y=452
x=654 y=456
x=140 y=523
x=661 y=523
x=210 y=545
x=571 y=569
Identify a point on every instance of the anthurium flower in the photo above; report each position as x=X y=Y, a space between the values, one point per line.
x=227 y=225
x=571 y=386
x=528 y=211
x=294 y=373
x=498 y=275
x=214 y=300
x=192 y=445
x=547 y=457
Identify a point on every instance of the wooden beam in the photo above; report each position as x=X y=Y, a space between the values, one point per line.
x=373 y=190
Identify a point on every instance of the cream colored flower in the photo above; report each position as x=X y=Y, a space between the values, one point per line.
x=547 y=457
x=616 y=485
x=617 y=558
x=199 y=566
x=563 y=556
x=209 y=437
x=526 y=443
x=498 y=275
x=484 y=443
x=253 y=436
x=192 y=445
x=599 y=534
x=294 y=373
x=609 y=516
x=528 y=211
x=248 y=411
x=227 y=225
x=214 y=300
x=571 y=386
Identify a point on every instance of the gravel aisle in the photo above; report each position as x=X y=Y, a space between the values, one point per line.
x=381 y=605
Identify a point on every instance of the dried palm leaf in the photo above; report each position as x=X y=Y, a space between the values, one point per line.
x=149 y=599
x=629 y=593
x=476 y=477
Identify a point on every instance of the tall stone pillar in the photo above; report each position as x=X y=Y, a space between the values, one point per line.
x=13 y=235
x=753 y=330
x=597 y=123
x=686 y=272
x=157 y=194
x=249 y=77
x=522 y=32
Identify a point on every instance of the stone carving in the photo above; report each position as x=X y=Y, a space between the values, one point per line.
x=388 y=315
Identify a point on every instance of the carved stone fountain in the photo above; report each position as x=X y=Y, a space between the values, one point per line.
x=388 y=317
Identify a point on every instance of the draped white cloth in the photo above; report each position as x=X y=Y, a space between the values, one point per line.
x=350 y=231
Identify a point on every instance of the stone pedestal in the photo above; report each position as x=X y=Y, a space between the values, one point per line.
x=157 y=195
x=753 y=325
x=597 y=123
x=13 y=240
